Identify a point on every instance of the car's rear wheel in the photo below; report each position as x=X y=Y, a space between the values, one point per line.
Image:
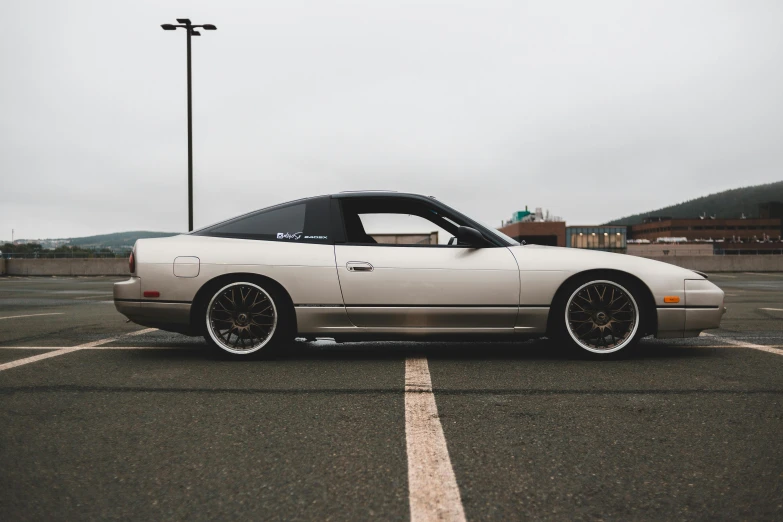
x=243 y=318
x=600 y=316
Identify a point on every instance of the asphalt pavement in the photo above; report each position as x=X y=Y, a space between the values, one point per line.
x=155 y=426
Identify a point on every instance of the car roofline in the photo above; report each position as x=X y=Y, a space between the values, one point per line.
x=379 y=194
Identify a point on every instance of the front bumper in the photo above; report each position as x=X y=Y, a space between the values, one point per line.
x=703 y=310
x=166 y=315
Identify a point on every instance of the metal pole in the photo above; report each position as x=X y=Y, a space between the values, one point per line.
x=190 y=144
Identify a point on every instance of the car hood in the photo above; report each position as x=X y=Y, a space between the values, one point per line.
x=539 y=257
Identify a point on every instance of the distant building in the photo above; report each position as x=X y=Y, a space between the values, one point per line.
x=606 y=238
x=552 y=233
x=535 y=228
x=772 y=210
x=704 y=229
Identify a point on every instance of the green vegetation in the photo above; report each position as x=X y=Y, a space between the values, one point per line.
x=33 y=250
x=105 y=245
x=118 y=240
x=727 y=204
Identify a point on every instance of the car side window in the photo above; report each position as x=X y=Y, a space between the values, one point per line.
x=396 y=222
x=301 y=222
x=403 y=229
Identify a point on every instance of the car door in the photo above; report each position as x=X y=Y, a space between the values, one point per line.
x=439 y=287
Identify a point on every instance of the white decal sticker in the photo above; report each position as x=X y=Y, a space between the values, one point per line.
x=315 y=237
x=287 y=235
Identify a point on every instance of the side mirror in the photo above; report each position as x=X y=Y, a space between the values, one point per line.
x=470 y=236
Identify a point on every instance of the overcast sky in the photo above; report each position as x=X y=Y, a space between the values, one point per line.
x=594 y=110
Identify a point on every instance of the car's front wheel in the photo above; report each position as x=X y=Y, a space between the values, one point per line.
x=600 y=316
x=242 y=318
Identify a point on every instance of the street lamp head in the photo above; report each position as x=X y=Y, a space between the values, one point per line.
x=209 y=27
x=168 y=27
x=185 y=21
x=195 y=33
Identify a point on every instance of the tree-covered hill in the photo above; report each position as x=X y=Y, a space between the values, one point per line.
x=727 y=204
x=117 y=240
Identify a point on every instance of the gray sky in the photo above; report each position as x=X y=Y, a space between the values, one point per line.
x=594 y=110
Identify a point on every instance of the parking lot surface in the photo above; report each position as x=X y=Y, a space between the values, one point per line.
x=104 y=419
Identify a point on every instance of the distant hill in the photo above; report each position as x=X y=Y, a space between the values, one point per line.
x=727 y=204
x=117 y=240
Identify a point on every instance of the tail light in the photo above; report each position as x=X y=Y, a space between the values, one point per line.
x=132 y=263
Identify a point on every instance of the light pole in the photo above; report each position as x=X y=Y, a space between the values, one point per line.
x=190 y=30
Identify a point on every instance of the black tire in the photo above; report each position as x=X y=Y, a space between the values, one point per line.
x=245 y=317
x=599 y=316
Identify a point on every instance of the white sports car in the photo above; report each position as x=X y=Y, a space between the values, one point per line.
x=309 y=268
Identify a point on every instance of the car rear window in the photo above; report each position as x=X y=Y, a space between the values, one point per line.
x=300 y=222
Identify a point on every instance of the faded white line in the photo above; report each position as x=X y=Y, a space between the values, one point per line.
x=93 y=296
x=63 y=351
x=764 y=274
x=743 y=344
x=36 y=358
x=31 y=315
x=101 y=347
x=432 y=486
x=773 y=309
x=713 y=346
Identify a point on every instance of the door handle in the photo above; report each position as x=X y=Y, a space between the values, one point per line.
x=359 y=266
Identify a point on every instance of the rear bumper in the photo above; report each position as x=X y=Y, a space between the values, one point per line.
x=166 y=315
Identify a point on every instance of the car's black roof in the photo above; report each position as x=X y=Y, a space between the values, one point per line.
x=378 y=193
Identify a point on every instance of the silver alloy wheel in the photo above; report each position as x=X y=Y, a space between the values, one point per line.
x=241 y=318
x=602 y=316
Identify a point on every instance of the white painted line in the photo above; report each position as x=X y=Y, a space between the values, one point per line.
x=112 y=339
x=93 y=296
x=773 y=309
x=143 y=348
x=432 y=486
x=63 y=351
x=36 y=358
x=31 y=315
x=722 y=275
x=106 y=347
x=743 y=344
x=764 y=274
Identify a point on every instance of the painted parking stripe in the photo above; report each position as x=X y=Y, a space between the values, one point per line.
x=126 y=347
x=773 y=309
x=93 y=296
x=742 y=344
x=30 y=315
x=432 y=486
x=63 y=351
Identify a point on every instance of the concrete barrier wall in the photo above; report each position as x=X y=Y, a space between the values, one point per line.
x=66 y=267
x=660 y=250
x=2 y=266
x=770 y=263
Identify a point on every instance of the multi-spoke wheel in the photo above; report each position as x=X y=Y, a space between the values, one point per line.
x=600 y=316
x=241 y=318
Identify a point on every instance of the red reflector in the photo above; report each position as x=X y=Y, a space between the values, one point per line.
x=151 y=293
